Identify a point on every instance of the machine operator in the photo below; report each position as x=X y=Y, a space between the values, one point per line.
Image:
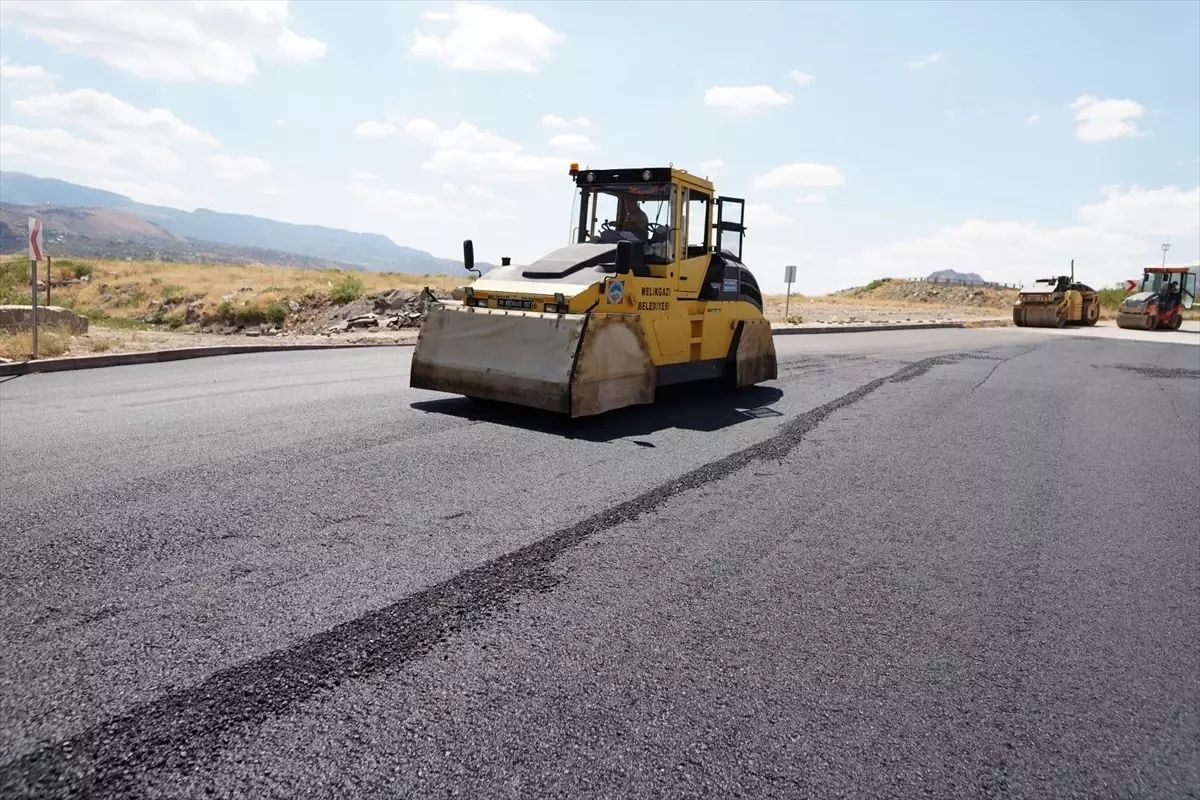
x=633 y=219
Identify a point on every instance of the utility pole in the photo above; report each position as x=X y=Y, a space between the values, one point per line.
x=1165 y=248
x=35 y=255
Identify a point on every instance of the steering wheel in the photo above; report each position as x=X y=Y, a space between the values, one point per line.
x=656 y=232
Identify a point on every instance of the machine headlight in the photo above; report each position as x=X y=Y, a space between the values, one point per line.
x=645 y=174
x=591 y=176
x=550 y=308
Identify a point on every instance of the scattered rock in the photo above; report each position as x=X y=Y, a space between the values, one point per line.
x=192 y=313
x=294 y=306
x=395 y=299
x=253 y=332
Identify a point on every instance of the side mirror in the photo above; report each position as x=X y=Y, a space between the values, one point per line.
x=469 y=258
x=505 y=261
x=624 y=257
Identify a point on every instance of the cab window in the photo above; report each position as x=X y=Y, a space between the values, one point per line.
x=696 y=223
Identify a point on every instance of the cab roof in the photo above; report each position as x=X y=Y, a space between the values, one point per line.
x=1172 y=270
x=625 y=176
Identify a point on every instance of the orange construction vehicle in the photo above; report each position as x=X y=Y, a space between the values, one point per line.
x=1162 y=296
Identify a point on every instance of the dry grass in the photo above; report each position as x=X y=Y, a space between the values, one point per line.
x=129 y=288
x=103 y=345
x=18 y=345
x=844 y=307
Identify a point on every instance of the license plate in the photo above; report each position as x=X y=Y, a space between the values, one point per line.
x=514 y=302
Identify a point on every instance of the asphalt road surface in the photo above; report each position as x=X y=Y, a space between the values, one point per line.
x=952 y=563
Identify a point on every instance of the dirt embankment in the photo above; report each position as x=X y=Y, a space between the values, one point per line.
x=895 y=301
x=132 y=305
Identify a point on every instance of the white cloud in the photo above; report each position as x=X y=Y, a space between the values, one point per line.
x=1169 y=211
x=483 y=193
x=712 y=168
x=363 y=176
x=124 y=137
x=496 y=166
x=571 y=143
x=467 y=150
x=800 y=175
x=383 y=203
x=1105 y=120
x=486 y=38
x=57 y=147
x=220 y=42
x=801 y=77
x=14 y=72
x=373 y=129
x=450 y=188
x=464 y=136
x=238 y=168
x=764 y=216
x=811 y=198
x=745 y=99
x=1117 y=238
x=551 y=121
x=112 y=119
x=926 y=60
x=1032 y=118
x=394 y=199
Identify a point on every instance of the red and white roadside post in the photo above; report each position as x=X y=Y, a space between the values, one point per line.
x=35 y=255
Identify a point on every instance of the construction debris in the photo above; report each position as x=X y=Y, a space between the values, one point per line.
x=397 y=309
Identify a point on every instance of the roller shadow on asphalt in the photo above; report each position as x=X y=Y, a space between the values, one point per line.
x=702 y=409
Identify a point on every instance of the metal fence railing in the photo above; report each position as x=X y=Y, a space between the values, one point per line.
x=953 y=282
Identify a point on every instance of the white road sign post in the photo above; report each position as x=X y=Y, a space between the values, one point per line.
x=789 y=277
x=35 y=255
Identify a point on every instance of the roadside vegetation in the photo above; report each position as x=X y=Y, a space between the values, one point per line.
x=156 y=294
x=18 y=345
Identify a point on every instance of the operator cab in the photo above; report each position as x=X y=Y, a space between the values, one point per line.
x=667 y=215
x=1170 y=285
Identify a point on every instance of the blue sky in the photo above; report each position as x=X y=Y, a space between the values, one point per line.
x=868 y=139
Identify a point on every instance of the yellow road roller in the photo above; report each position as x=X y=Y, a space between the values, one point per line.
x=1056 y=303
x=651 y=291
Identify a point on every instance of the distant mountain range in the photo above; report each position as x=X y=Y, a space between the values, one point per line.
x=955 y=276
x=86 y=222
